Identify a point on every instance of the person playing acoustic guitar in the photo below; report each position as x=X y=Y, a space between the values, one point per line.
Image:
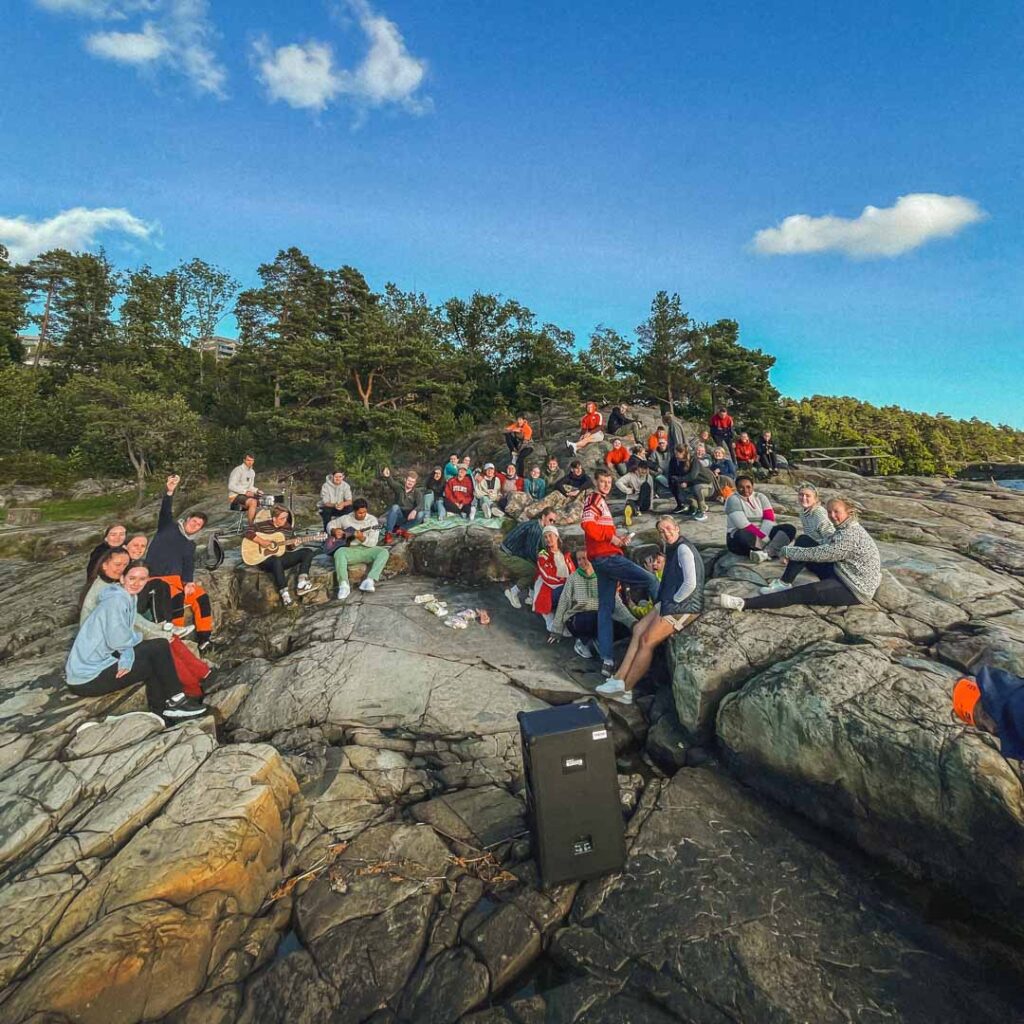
x=279 y=521
x=354 y=539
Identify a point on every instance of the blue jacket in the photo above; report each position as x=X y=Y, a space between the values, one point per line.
x=1002 y=696
x=108 y=631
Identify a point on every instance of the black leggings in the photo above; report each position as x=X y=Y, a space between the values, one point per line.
x=153 y=665
x=276 y=565
x=155 y=602
x=792 y=570
x=456 y=510
x=327 y=514
x=829 y=590
x=742 y=542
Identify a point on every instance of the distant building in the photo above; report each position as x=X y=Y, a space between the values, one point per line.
x=222 y=348
x=30 y=343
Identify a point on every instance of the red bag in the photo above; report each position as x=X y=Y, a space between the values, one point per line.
x=191 y=670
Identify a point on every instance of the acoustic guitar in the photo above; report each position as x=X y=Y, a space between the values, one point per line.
x=254 y=554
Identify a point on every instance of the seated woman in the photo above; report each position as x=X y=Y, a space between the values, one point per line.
x=511 y=483
x=554 y=566
x=458 y=494
x=847 y=564
x=679 y=602
x=433 y=494
x=746 y=452
x=486 y=492
x=535 y=485
x=748 y=513
x=113 y=537
x=722 y=465
x=279 y=521
x=136 y=546
x=817 y=529
x=590 y=429
x=692 y=486
x=110 y=654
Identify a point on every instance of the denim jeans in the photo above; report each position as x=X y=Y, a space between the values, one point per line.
x=397 y=517
x=433 y=505
x=612 y=569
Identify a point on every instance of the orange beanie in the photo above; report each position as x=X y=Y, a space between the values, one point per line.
x=966 y=695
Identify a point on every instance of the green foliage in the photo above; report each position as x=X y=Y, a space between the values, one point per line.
x=32 y=467
x=329 y=368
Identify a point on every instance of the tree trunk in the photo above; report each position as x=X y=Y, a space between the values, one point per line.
x=277 y=393
x=138 y=461
x=364 y=393
x=44 y=327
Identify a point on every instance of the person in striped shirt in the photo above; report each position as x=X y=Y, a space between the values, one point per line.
x=605 y=546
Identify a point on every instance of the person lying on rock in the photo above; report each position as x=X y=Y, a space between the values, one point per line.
x=847 y=564
x=110 y=654
x=354 y=540
x=458 y=493
x=748 y=513
x=113 y=537
x=172 y=561
x=994 y=703
x=534 y=484
x=554 y=566
x=519 y=551
x=575 y=481
x=679 y=602
x=817 y=529
x=591 y=429
x=576 y=610
x=279 y=520
x=433 y=494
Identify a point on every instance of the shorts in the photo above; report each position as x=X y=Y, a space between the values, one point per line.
x=680 y=620
x=238 y=503
x=596 y=435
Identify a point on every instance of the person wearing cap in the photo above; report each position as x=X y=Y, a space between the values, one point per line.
x=994 y=703
x=486 y=492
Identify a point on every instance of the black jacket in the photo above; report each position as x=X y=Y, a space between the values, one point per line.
x=171 y=553
x=581 y=483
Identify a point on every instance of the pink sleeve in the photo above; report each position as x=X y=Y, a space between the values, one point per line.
x=769 y=514
x=760 y=534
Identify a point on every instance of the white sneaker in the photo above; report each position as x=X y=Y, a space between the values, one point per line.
x=583 y=649
x=286 y=598
x=180 y=631
x=512 y=593
x=700 y=517
x=759 y=556
x=571 y=447
x=303 y=586
x=180 y=708
x=146 y=716
x=472 y=514
x=611 y=687
x=626 y=697
x=343 y=591
x=729 y=601
x=774 y=587
x=367 y=586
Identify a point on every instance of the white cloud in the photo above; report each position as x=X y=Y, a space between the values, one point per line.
x=74 y=229
x=129 y=47
x=304 y=75
x=913 y=220
x=178 y=35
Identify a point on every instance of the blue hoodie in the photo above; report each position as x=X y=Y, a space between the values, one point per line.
x=108 y=631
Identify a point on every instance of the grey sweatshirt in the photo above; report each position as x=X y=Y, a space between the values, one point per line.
x=816 y=523
x=332 y=494
x=854 y=555
x=242 y=479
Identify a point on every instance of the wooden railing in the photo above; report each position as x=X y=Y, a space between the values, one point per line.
x=861 y=459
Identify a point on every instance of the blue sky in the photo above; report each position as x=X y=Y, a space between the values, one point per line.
x=577 y=157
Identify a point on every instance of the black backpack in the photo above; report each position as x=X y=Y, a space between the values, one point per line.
x=214 y=553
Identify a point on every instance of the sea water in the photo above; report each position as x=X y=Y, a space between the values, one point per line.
x=1015 y=485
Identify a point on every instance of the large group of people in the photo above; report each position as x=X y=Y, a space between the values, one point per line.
x=138 y=591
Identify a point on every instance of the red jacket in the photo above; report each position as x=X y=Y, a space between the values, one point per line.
x=525 y=431
x=721 y=421
x=518 y=481
x=591 y=421
x=459 y=492
x=746 y=451
x=616 y=455
x=652 y=441
x=598 y=527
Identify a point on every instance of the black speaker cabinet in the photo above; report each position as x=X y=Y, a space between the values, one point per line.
x=572 y=793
